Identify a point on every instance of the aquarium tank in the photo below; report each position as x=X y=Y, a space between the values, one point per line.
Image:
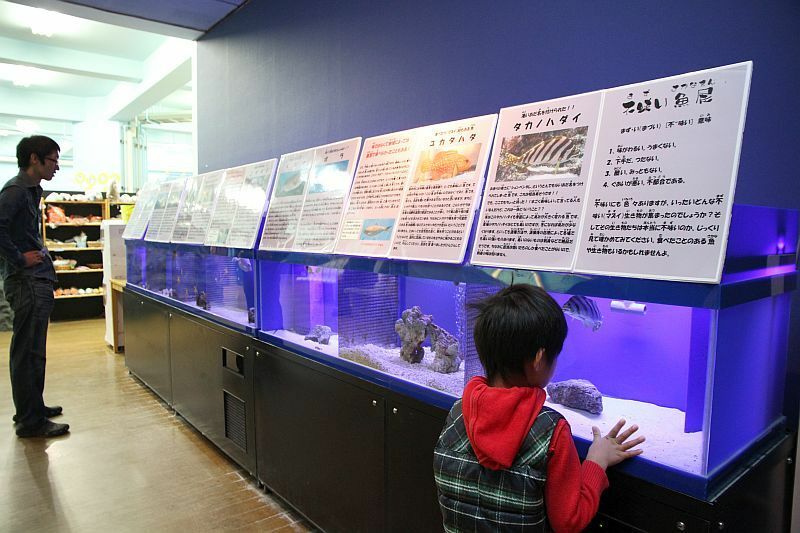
x=218 y=282
x=136 y=257
x=699 y=367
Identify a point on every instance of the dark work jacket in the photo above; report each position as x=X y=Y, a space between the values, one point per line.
x=21 y=229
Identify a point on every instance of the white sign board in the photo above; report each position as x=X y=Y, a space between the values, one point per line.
x=183 y=220
x=308 y=198
x=162 y=220
x=641 y=188
x=416 y=192
x=250 y=204
x=204 y=205
x=225 y=208
x=140 y=217
x=661 y=191
x=376 y=195
x=443 y=190
x=534 y=193
x=329 y=182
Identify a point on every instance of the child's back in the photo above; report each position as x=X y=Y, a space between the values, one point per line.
x=504 y=461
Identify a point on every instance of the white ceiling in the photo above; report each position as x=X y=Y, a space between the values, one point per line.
x=93 y=70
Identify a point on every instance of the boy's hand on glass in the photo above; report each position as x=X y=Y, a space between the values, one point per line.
x=614 y=447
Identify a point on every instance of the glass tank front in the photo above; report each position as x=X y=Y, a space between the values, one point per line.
x=136 y=257
x=221 y=282
x=397 y=326
x=665 y=367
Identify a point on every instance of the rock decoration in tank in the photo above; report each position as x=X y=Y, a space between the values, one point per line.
x=251 y=315
x=320 y=333
x=414 y=327
x=578 y=394
x=448 y=357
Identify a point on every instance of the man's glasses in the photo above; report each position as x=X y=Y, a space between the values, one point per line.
x=52 y=159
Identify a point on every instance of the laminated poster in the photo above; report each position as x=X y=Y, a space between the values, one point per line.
x=536 y=184
x=328 y=184
x=283 y=214
x=183 y=220
x=225 y=208
x=661 y=191
x=443 y=190
x=166 y=204
x=377 y=195
x=174 y=201
x=251 y=201
x=204 y=205
x=142 y=210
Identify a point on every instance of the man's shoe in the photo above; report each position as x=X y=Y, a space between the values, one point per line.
x=49 y=412
x=46 y=430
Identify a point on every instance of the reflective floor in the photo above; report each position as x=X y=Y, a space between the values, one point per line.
x=129 y=464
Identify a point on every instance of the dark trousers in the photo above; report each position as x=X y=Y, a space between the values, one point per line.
x=32 y=301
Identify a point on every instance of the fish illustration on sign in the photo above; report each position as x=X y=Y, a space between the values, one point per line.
x=443 y=165
x=584 y=310
x=291 y=183
x=553 y=151
x=375 y=229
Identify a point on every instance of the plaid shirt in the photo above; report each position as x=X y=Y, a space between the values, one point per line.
x=475 y=498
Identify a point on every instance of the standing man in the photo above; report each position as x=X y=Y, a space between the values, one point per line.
x=29 y=277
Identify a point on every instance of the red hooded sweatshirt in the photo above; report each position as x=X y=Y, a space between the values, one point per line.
x=497 y=420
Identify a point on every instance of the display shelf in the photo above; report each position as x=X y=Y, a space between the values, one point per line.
x=72 y=296
x=70 y=224
x=69 y=306
x=67 y=250
x=75 y=202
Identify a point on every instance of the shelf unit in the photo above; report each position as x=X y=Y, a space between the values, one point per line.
x=79 y=305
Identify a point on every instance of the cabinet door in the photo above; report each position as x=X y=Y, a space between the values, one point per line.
x=411 y=435
x=212 y=384
x=320 y=442
x=147 y=346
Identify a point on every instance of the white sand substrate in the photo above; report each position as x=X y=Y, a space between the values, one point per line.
x=662 y=426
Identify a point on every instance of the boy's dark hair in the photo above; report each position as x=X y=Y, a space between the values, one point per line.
x=513 y=325
x=35 y=144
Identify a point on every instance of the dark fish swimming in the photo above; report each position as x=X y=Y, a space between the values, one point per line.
x=553 y=151
x=585 y=310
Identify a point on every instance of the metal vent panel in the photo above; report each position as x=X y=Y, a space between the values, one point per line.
x=235 y=420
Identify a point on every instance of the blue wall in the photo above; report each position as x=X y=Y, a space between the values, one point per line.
x=283 y=75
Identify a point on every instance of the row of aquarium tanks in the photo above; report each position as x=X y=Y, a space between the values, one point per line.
x=699 y=367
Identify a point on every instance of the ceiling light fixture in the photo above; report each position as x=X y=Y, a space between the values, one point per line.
x=25 y=76
x=46 y=23
x=27 y=126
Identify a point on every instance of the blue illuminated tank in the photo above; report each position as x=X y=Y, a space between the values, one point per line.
x=214 y=282
x=700 y=367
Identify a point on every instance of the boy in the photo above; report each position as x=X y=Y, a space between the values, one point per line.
x=504 y=461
